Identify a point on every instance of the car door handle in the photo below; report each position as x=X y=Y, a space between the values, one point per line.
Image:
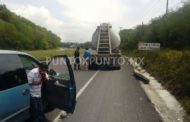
x=25 y=92
x=57 y=83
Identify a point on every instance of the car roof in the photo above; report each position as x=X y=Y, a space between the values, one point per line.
x=12 y=52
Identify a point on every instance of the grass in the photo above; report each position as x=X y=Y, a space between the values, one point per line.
x=171 y=68
x=42 y=54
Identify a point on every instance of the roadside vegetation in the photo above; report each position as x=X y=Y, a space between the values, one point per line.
x=171 y=68
x=17 y=32
x=171 y=64
x=171 y=31
x=43 y=54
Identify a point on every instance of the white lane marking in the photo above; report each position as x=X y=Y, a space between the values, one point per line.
x=57 y=119
x=86 y=85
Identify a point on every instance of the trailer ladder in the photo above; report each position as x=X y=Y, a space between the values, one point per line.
x=104 y=43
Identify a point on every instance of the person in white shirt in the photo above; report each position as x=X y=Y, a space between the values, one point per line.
x=35 y=79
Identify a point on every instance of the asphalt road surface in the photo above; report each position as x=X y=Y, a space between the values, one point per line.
x=112 y=96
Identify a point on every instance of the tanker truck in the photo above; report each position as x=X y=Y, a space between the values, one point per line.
x=105 y=46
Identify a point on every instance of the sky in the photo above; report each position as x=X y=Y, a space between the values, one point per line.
x=76 y=20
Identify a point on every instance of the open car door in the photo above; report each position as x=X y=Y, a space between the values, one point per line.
x=61 y=88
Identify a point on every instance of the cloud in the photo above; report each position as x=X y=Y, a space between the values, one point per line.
x=83 y=16
x=95 y=11
x=42 y=16
x=76 y=20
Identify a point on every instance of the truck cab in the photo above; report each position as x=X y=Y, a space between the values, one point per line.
x=14 y=88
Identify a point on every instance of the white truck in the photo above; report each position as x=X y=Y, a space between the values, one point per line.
x=105 y=45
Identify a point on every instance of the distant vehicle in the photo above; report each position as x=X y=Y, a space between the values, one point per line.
x=106 y=44
x=14 y=88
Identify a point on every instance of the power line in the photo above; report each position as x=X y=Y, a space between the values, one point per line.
x=152 y=6
x=176 y=5
x=156 y=15
x=169 y=6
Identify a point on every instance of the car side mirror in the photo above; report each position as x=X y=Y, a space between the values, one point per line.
x=52 y=72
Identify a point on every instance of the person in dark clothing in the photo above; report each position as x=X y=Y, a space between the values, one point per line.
x=77 y=59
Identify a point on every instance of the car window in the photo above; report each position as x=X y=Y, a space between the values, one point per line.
x=12 y=73
x=60 y=67
x=28 y=63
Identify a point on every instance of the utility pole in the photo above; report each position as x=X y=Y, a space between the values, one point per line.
x=143 y=27
x=120 y=28
x=167 y=7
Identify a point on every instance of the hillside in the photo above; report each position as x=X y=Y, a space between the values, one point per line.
x=171 y=30
x=170 y=65
x=19 y=33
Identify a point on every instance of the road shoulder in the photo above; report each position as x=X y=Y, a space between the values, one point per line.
x=165 y=104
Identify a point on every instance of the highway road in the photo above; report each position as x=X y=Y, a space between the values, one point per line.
x=111 y=96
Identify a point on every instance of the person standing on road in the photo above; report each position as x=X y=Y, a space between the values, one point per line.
x=35 y=79
x=77 y=59
x=87 y=56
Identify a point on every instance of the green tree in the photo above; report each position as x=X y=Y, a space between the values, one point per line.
x=19 y=33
